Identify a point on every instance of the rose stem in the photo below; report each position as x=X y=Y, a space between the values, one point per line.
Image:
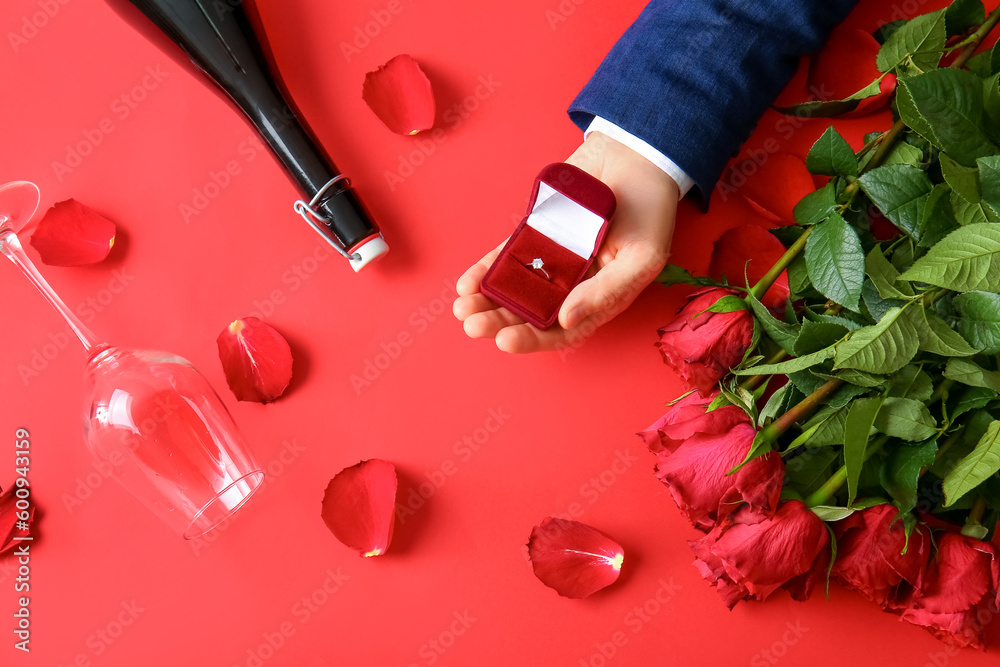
x=832 y=485
x=977 y=511
x=802 y=409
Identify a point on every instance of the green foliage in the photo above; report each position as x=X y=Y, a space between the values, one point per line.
x=836 y=261
x=857 y=428
x=967 y=259
x=950 y=102
x=831 y=155
x=901 y=336
x=884 y=347
x=976 y=468
x=915 y=45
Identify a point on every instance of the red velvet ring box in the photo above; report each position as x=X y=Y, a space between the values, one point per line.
x=567 y=218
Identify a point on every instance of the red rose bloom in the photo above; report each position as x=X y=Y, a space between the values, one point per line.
x=702 y=346
x=707 y=446
x=750 y=555
x=956 y=599
x=870 y=556
x=688 y=417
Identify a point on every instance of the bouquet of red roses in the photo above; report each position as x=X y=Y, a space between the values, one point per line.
x=843 y=421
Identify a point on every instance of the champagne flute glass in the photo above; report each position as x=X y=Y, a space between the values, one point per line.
x=150 y=418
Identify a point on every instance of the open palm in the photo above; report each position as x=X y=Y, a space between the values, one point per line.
x=633 y=253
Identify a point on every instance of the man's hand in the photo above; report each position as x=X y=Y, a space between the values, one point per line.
x=634 y=251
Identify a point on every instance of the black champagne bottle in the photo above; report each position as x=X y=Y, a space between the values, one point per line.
x=226 y=41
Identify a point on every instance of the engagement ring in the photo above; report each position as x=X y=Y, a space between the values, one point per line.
x=539 y=265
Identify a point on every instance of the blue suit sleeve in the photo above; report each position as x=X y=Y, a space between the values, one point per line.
x=693 y=77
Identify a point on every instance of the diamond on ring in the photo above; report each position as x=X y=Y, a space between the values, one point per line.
x=538 y=265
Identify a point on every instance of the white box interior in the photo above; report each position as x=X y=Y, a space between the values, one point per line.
x=569 y=224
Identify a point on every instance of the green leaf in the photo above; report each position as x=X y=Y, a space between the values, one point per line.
x=850 y=324
x=857 y=378
x=790 y=366
x=830 y=108
x=882 y=348
x=991 y=99
x=911 y=382
x=979 y=322
x=831 y=155
x=939 y=217
x=899 y=191
x=877 y=306
x=904 y=153
x=921 y=39
x=951 y=102
x=963 y=180
x=772 y=408
x=830 y=431
x=974 y=469
x=906 y=419
x=970 y=373
x=807 y=471
x=911 y=116
x=966 y=213
x=989 y=174
x=798 y=277
x=965 y=260
x=937 y=337
x=836 y=261
x=962 y=15
x=860 y=420
x=831 y=513
x=972 y=398
x=730 y=303
x=816 y=206
x=901 y=473
x=884 y=276
x=782 y=333
x=818 y=335
x=676 y=275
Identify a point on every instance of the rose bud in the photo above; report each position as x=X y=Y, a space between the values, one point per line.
x=870 y=558
x=750 y=555
x=573 y=558
x=703 y=346
x=960 y=593
x=696 y=469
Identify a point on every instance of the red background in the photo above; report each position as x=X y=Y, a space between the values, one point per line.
x=571 y=415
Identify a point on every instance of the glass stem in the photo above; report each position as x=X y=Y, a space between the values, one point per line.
x=10 y=245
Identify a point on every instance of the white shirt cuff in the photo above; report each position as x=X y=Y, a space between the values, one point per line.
x=684 y=182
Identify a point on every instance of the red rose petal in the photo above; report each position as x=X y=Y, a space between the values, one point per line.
x=847 y=65
x=9 y=520
x=573 y=558
x=777 y=185
x=72 y=234
x=256 y=359
x=400 y=94
x=359 y=506
x=753 y=250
